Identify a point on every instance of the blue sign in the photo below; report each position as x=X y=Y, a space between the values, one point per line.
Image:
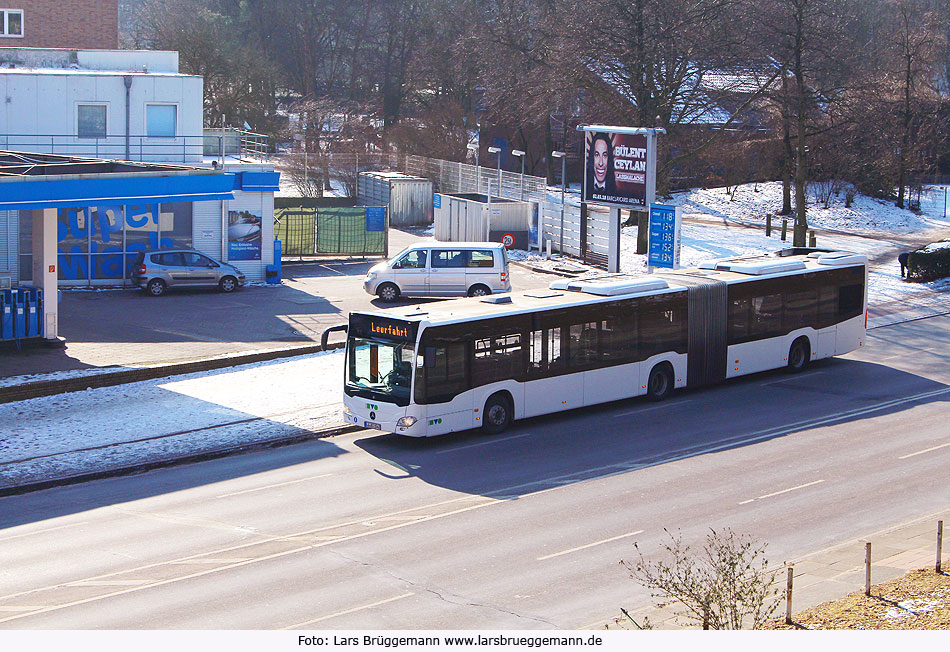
x=375 y=218
x=437 y=200
x=664 y=247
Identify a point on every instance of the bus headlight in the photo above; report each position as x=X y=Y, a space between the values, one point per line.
x=406 y=422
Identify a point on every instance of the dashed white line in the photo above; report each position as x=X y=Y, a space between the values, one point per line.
x=484 y=443
x=349 y=611
x=590 y=545
x=49 y=529
x=783 y=491
x=926 y=450
x=271 y=486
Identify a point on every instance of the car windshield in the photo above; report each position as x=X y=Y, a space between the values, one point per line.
x=380 y=370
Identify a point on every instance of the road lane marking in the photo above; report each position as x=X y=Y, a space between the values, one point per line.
x=926 y=450
x=589 y=545
x=783 y=491
x=790 y=378
x=349 y=611
x=49 y=529
x=648 y=409
x=483 y=443
x=271 y=486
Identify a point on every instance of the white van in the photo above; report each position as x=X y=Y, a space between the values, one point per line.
x=441 y=270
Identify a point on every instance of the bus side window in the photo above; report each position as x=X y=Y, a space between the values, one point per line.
x=444 y=373
x=766 y=316
x=850 y=301
x=738 y=321
x=827 y=306
x=801 y=310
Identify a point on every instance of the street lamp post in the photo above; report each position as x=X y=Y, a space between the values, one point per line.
x=497 y=152
x=520 y=154
x=473 y=147
x=563 y=156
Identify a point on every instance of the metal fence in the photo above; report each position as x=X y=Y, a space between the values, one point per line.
x=327 y=231
x=213 y=143
x=312 y=173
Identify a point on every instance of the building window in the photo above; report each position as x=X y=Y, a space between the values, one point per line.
x=91 y=121
x=161 y=120
x=12 y=22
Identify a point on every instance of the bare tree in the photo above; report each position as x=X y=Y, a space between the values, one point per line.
x=726 y=585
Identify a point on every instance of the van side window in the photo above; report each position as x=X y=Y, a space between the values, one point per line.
x=448 y=258
x=413 y=260
x=481 y=258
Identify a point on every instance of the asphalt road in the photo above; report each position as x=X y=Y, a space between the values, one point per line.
x=522 y=530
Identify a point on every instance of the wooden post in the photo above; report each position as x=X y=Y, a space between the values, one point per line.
x=939 y=543
x=812 y=240
x=784 y=229
x=867 y=568
x=768 y=225
x=788 y=597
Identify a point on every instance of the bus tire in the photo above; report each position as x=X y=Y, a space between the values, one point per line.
x=388 y=292
x=660 y=383
x=479 y=290
x=498 y=413
x=798 y=355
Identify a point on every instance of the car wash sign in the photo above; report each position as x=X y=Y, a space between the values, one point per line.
x=665 y=226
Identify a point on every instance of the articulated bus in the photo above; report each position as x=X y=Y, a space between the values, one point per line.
x=482 y=362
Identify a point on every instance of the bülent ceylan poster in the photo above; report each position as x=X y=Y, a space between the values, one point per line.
x=244 y=235
x=615 y=169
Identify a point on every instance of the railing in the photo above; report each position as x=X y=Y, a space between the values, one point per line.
x=213 y=143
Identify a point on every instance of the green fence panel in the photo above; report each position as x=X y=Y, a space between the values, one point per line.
x=294 y=227
x=343 y=231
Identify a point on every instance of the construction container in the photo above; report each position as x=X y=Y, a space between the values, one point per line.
x=471 y=217
x=409 y=199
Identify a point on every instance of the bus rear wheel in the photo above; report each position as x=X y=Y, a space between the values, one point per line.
x=798 y=355
x=497 y=415
x=660 y=384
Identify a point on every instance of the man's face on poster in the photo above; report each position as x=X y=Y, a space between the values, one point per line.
x=600 y=161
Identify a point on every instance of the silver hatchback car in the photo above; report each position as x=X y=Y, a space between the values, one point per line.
x=156 y=271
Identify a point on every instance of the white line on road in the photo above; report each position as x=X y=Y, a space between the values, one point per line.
x=271 y=486
x=648 y=409
x=484 y=443
x=349 y=611
x=590 y=545
x=49 y=529
x=926 y=450
x=783 y=491
x=796 y=377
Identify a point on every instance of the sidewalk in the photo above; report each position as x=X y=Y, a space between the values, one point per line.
x=834 y=572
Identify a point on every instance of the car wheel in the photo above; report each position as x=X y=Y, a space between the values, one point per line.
x=498 y=414
x=156 y=287
x=798 y=355
x=660 y=384
x=387 y=292
x=479 y=291
x=228 y=284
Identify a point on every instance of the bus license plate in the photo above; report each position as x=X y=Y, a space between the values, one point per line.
x=371 y=425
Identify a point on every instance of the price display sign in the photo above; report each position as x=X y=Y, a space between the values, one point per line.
x=665 y=227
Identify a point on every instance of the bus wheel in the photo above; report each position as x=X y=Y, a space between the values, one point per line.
x=497 y=415
x=798 y=355
x=660 y=384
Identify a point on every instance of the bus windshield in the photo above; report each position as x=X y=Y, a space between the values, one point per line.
x=379 y=370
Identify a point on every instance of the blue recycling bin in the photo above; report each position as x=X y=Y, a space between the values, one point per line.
x=6 y=314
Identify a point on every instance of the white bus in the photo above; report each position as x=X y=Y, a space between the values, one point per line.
x=482 y=362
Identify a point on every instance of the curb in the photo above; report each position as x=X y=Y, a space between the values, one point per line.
x=135 y=469
x=40 y=388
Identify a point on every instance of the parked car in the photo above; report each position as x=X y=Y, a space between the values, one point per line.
x=441 y=270
x=156 y=271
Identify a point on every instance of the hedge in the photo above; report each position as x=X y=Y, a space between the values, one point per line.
x=929 y=263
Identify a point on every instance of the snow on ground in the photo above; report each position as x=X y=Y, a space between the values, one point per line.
x=147 y=421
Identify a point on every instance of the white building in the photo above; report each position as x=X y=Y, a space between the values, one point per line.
x=132 y=106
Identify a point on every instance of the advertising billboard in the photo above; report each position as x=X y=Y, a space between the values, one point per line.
x=615 y=166
x=244 y=235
